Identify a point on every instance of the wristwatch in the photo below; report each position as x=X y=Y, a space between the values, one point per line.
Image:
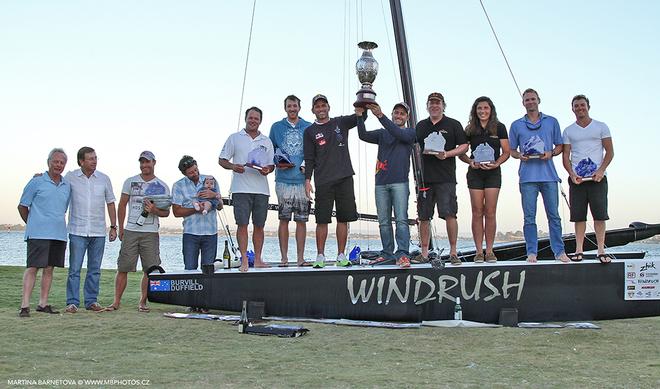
x=113 y=227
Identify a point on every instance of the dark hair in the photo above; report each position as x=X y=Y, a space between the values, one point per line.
x=81 y=153
x=261 y=114
x=581 y=97
x=293 y=98
x=474 y=124
x=530 y=90
x=186 y=162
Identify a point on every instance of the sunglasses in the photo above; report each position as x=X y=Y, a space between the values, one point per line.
x=533 y=126
x=185 y=165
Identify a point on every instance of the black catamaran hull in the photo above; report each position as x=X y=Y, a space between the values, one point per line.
x=547 y=291
x=613 y=238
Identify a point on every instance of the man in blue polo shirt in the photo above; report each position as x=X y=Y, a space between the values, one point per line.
x=287 y=136
x=200 y=231
x=535 y=139
x=42 y=207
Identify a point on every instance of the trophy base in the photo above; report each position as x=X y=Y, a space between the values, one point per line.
x=253 y=166
x=533 y=156
x=365 y=97
x=486 y=162
x=590 y=178
x=432 y=152
x=285 y=165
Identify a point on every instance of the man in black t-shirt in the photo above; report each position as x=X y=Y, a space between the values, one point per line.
x=325 y=145
x=439 y=174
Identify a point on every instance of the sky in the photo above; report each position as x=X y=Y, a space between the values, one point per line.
x=125 y=76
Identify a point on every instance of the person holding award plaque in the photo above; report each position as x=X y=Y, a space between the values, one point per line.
x=489 y=143
x=442 y=139
x=327 y=158
x=588 y=151
x=287 y=138
x=139 y=236
x=539 y=139
x=249 y=154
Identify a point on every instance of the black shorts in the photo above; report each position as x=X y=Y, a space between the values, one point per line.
x=588 y=193
x=342 y=195
x=441 y=195
x=45 y=252
x=483 y=179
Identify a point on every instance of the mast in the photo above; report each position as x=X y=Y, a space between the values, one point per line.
x=404 y=60
x=408 y=92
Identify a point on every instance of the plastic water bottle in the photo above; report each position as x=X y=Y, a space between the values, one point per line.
x=458 y=310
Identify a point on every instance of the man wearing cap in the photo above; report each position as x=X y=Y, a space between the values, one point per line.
x=200 y=231
x=249 y=155
x=140 y=235
x=42 y=207
x=538 y=175
x=392 y=169
x=91 y=192
x=287 y=137
x=439 y=174
x=327 y=158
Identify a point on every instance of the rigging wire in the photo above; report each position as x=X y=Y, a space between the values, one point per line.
x=247 y=58
x=389 y=48
x=500 y=46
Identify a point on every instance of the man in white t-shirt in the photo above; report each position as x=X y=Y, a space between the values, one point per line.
x=249 y=154
x=148 y=199
x=588 y=150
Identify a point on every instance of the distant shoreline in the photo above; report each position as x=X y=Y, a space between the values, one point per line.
x=501 y=237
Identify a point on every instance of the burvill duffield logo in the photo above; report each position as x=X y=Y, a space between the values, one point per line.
x=160 y=286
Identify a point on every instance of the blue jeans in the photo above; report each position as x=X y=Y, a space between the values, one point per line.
x=395 y=196
x=78 y=245
x=549 y=191
x=194 y=245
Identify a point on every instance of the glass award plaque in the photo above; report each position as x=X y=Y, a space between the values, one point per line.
x=257 y=158
x=434 y=144
x=586 y=169
x=534 y=147
x=282 y=159
x=484 y=154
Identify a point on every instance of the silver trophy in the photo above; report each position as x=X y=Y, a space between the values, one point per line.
x=366 y=68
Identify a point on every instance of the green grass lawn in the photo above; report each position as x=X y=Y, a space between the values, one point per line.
x=128 y=345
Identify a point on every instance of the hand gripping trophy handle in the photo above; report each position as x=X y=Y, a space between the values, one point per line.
x=366 y=68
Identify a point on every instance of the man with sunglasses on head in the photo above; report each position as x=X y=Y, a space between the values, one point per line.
x=537 y=172
x=200 y=231
x=325 y=145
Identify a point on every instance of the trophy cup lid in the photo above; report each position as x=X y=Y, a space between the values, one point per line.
x=366 y=45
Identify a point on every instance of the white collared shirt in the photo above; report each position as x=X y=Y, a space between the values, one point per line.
x=236 y=150
x=89 y=197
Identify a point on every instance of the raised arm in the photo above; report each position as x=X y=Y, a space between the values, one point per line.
x=367 y=136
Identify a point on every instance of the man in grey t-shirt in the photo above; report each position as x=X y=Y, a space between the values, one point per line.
x=148 y=199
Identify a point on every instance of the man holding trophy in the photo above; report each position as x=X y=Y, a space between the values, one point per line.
x=148 y=199
x=327 y=159
x=442 y=139
x=249 y=155
x=588 y=151
x=539 y=139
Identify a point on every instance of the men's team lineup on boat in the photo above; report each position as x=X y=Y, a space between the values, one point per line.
x=312 y=163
